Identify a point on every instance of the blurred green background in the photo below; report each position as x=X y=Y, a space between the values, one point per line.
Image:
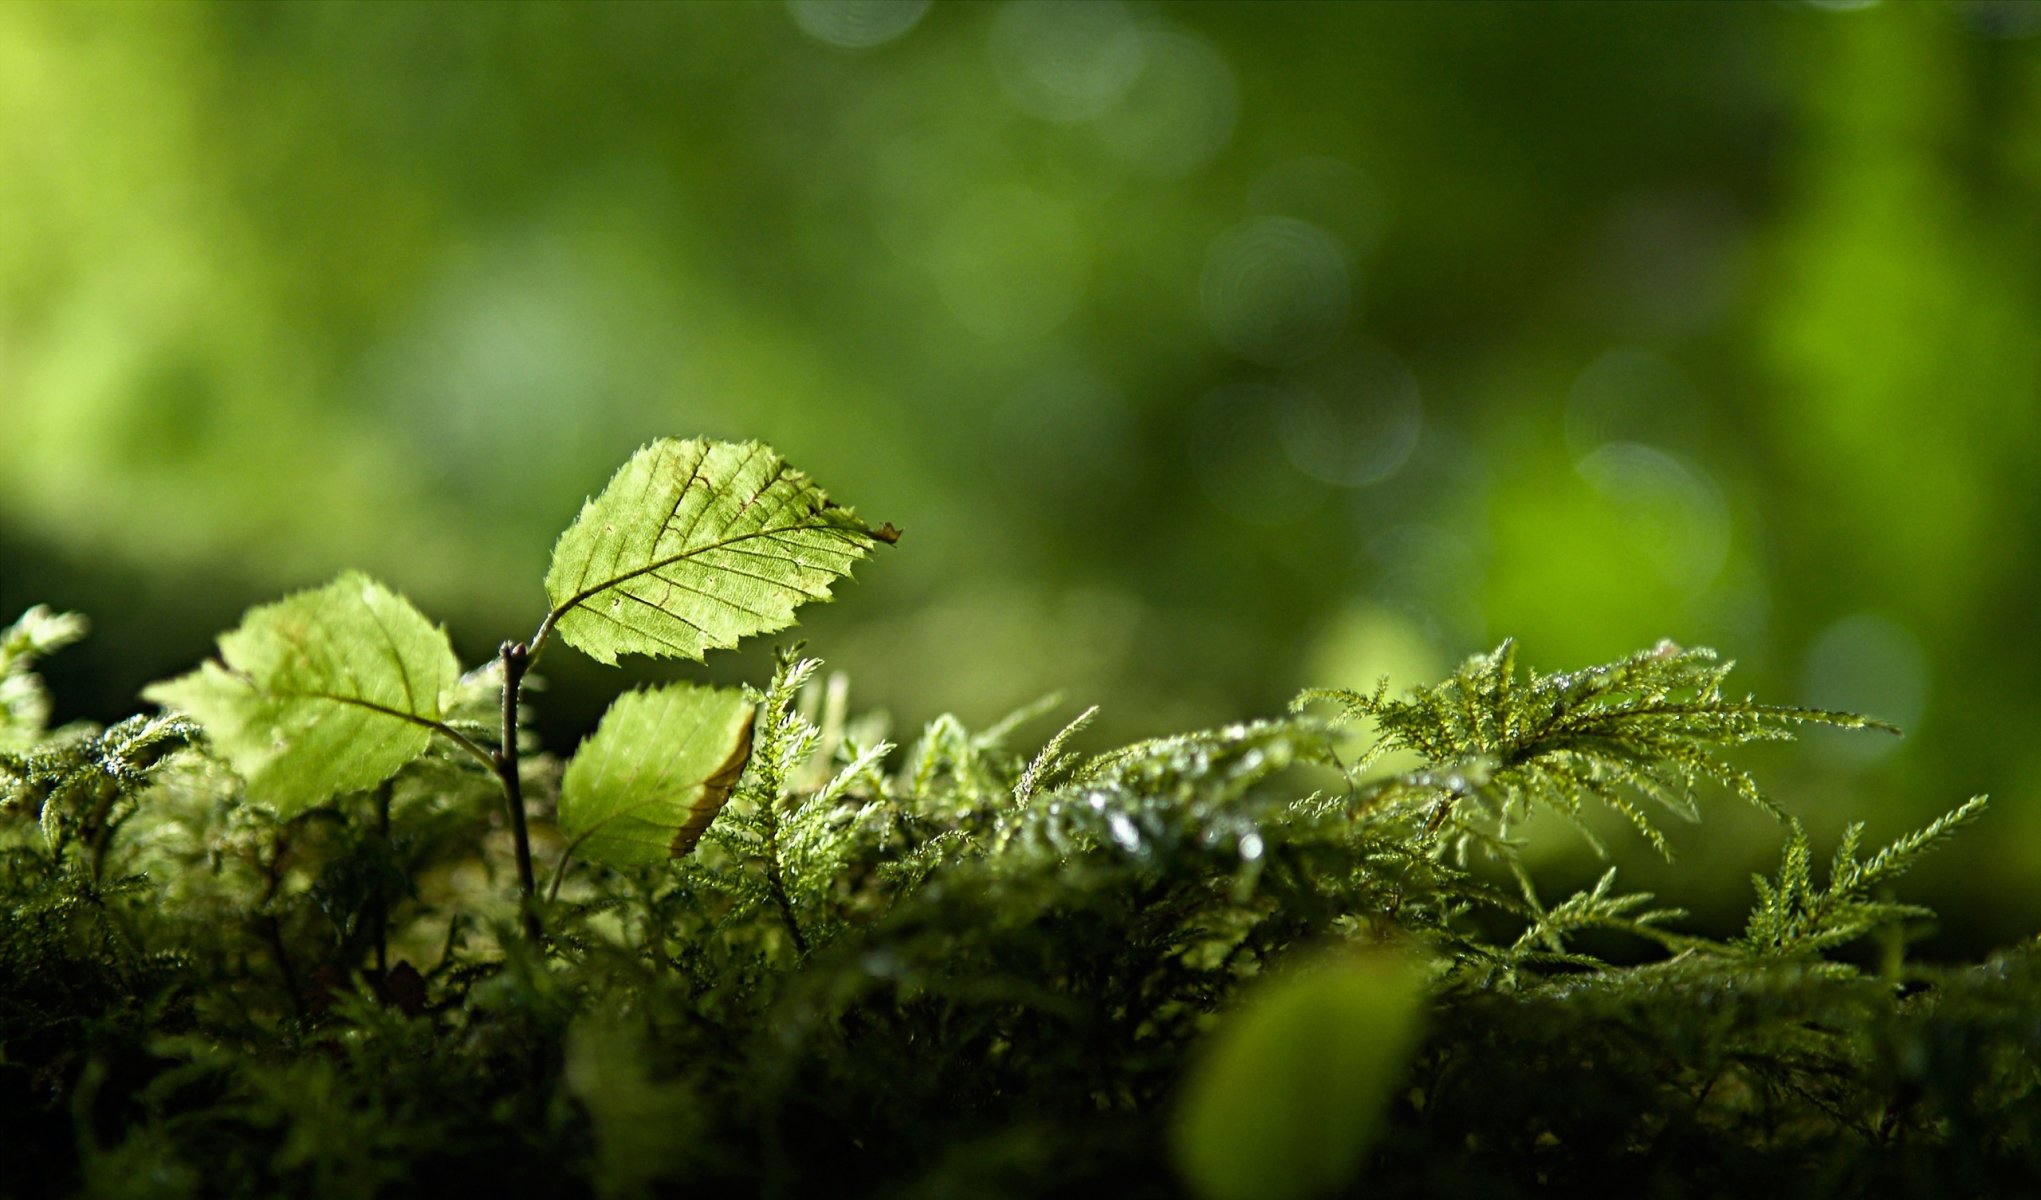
x=1204 y=351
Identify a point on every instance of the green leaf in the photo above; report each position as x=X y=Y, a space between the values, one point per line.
x=326 y=691
x=646 y=1128
x=694 y=545
x=1289 y=1092
x=656 y=771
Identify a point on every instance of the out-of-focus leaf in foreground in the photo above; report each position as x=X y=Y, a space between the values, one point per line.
x=1290 y=1090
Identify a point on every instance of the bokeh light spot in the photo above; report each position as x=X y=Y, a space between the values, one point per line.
x=479 y=374
x=1066 y=60
x=857 y=24
x=1238 y=457
x=1276 y=290
x=1328 y=192
x=1631 y=395
x=1869 y=664
x=1359 y=425
x=1180 y=110
x=1674 y=513
x=1431 y=574
x=2002 y=19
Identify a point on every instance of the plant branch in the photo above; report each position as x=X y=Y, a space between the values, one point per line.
x=516 y=661
x=381 y=911
x=560 y=867
x=537 y=645
x=474 y=748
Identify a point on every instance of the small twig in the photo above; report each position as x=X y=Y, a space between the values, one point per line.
x=474 y=748
x=560 y=867
x=380 y=914
x=516 y=661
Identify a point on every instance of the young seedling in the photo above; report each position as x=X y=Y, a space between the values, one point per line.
x=693 y=546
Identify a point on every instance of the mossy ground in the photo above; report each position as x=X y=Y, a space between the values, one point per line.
x=962 y=970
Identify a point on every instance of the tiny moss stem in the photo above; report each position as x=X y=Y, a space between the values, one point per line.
x=776 y=883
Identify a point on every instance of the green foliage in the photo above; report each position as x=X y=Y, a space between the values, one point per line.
x=1287 y=1098
x=790 y=834
x=655 y=773
x=407 y=314
x=24 y=703
x=1794 y=918
x=338 y=689
x=80 y=788
x=694 y=545
x=970 y=969
x=642 y=1127
x=330 y=690
x=1649 y=726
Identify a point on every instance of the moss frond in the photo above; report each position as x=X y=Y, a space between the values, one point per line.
x=1647 y=728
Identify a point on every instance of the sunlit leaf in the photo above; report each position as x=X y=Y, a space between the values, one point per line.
x=1290 y=1091
x=326 y=691
x=657 y=770
x=695 y=544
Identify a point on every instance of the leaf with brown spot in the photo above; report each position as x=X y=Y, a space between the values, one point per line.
x=662 y=763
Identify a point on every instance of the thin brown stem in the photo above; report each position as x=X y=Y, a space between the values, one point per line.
x=381 y=913
x=516 y=661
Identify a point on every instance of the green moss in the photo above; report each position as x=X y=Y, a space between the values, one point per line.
x=965 y=968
